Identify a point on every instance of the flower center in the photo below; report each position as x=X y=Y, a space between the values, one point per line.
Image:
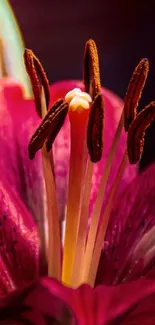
x=83 y=246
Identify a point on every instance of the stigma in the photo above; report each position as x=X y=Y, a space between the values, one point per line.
x=78 y=100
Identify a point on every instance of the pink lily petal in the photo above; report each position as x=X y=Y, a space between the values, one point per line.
x=48 y=300
x=18 y=122
x=35 y=305
x=19 y=243
x=103 y=305
x=127 y=253
x=143 y=314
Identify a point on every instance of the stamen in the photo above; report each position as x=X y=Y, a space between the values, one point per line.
x=104 y=223
x=49 y=127
x=95 y=129
x=134 y=92
x=98 y=204
x=91 y=69
x=54 y=246
x=136 y=133
x=35 y=69
x=54 y=242
x=77 y=163
x=3 y=68
x=59 y=120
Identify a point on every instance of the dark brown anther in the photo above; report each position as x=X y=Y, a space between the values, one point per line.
x=136 y=132
x=38 y=77
x=134 y=92
x=49 y=127
x=91 y=69
x=95 y=129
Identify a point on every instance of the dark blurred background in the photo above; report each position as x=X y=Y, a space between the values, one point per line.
x=56 y=30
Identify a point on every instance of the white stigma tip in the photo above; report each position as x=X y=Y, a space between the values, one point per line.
x=85 y=96
x=78 y=104
x=78 y=100
x=71 y=94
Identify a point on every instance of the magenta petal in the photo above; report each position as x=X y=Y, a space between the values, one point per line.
x=103 y=305
x=133 y=215
x=143 y=314
x=48 y=300
x=122 y=300
x=35 y=305
x=18 y=122
x=19 y=243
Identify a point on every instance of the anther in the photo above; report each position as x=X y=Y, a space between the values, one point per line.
x=95 y=129
x=136 y=132
x=91 y=69
x=49 y=127
x=134 y=92
x=37 y=77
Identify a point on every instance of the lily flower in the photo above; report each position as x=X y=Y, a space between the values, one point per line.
x=101 y=262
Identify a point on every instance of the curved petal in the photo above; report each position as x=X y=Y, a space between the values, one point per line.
x=129 y=245
x=47 y=301
x=143 y=314
x=103 y=305
x=18 y=122
x=19 y=243
x=35 y=304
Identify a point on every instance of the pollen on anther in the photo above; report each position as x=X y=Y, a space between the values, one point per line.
x=136 y=132
x=134 y=92
x=91 y=69
x=49 y=128
x=38 y=78
x=95 y=129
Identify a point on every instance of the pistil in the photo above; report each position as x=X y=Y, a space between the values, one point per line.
x=78 y=120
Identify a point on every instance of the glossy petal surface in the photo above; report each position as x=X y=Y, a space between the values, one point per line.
x=127 y=253
x=35 y=305
x=19 y=242
x=48 y=302
x=18 y=122
x=104 y=305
